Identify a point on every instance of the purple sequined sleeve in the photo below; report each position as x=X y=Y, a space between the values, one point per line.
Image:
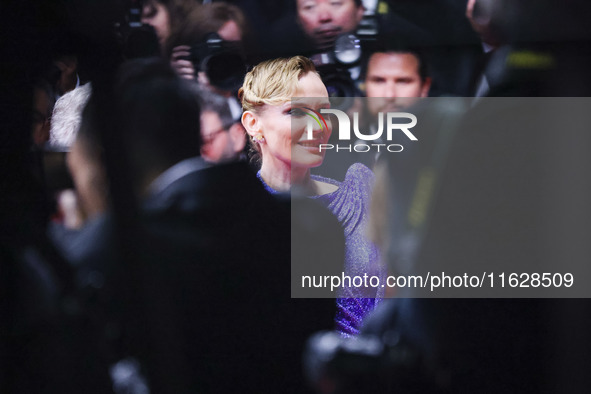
x=350 y=204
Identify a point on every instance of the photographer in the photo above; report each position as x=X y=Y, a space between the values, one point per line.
x=183 y=27
x=188 y=45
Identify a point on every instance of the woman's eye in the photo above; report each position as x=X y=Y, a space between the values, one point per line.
x=296 y=112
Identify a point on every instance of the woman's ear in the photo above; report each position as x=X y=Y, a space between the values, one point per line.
x=251 y=123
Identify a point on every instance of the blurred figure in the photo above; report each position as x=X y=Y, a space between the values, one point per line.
x=224 y=138
x=324 y=20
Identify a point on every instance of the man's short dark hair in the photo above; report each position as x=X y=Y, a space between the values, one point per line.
x=423 y=68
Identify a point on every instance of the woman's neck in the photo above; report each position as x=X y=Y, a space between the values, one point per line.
x=283 y=177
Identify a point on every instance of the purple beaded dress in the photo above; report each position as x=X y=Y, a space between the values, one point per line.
x=350 y=204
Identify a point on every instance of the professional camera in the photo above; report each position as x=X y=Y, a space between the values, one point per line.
x=335 y=66
x=340 y=67
x=223 y=62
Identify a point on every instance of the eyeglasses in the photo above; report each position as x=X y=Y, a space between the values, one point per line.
x=210 y=137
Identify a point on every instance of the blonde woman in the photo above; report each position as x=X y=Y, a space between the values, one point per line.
x=277 y=97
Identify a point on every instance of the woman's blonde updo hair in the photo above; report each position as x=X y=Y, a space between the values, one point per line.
x=273 y=82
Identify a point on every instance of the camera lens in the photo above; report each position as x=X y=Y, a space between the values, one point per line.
x=341 y=88
x=225 y=70
x=347 y=49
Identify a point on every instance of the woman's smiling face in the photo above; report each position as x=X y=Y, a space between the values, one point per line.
x=285 y=126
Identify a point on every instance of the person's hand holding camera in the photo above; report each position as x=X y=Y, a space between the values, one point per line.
x=180 y=63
